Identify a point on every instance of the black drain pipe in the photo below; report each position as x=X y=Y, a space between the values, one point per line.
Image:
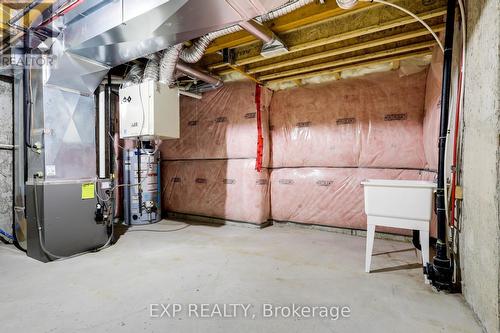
x=416 y=240
x=440 y=272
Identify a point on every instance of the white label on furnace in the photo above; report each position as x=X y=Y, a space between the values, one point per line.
x=105 y=185
x=50 y=170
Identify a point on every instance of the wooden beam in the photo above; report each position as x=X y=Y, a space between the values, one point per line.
x=315 y=14
x=248 y=76
x=364 y=57
x=11 y=8
x=309 y=15
x=353 y=66
x=346 y=49
x=6 y=13
x=217 y=65
x=350 y=34
x=343 y=36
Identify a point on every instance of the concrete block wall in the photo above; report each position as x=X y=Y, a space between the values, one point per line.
x=480 y=230
x=6 y=156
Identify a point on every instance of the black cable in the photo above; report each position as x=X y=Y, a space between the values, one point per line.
x=5 y=241
x=156 y=230
x=27 y=103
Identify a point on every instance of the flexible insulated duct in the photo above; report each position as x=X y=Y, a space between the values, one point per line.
x=195 y=52
x=134 y=76
x=168 y=63
x=283 y=10
x=164 y=71
x=152 y=70
x=347 y=4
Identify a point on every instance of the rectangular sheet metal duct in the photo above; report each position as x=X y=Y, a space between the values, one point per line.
x=116 y=31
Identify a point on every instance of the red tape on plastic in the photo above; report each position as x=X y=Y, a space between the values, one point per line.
x=260 y=138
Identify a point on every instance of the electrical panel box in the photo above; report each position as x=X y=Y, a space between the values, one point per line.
x=149 y=110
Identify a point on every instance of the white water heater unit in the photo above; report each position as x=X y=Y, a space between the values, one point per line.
x=149 y=110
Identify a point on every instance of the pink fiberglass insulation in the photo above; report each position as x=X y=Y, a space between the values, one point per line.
x=371 y=121
x=223 y=124
x=226 y=189
x=329 y=196
x=433 y=109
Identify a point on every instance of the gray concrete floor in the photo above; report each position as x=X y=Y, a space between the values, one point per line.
x=112 y=290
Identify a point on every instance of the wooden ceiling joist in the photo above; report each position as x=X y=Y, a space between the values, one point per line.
x=248 y=76
x=341 y=37
x=346 y=49
x=340 y=69
x=310 y=15
x=349 y=60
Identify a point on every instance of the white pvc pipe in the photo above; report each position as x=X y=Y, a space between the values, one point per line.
x=190 y=94
x=347 y=4
x=5 y=146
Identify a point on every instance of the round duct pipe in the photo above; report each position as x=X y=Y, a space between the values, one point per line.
x=195 y=52
x=194 y=73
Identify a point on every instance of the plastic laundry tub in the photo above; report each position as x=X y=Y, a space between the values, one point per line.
x=402 y=199
x=405 y=204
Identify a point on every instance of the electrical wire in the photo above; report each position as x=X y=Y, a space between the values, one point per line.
x=133 y=229
x=8 y=237
x=140 y=184
x=117 y=143
x=433 y=33
x=143 y=112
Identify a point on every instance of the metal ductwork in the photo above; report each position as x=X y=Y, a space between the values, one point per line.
x=117 y=31
x=94 y=37
x=104 y=34
x=194 y=53
x=272 y=44
x=284 y=9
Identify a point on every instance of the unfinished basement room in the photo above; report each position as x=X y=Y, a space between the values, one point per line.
x=250 y=166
